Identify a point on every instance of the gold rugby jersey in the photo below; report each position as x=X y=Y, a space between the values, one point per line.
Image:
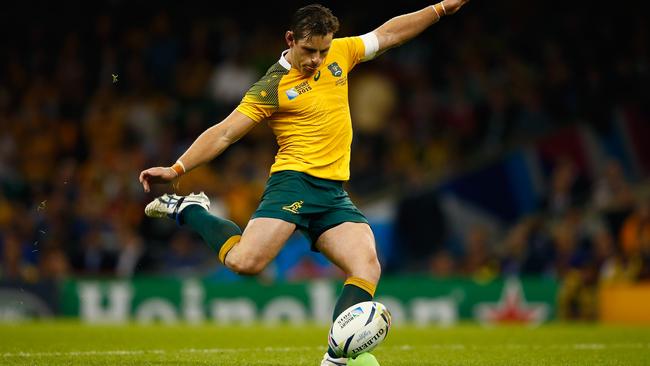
x=310 y=116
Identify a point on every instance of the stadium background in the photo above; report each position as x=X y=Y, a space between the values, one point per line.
x=504 y=150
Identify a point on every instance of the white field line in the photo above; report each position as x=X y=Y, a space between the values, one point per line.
x=405 y=347
x=157 y=351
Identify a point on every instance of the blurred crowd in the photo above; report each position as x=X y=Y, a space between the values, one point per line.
x=583 y=236
x=90 y=96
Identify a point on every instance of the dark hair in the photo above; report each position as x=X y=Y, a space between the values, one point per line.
x=314 y=19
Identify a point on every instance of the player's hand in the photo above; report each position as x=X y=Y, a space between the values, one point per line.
x=156 y=175
x=452 y=6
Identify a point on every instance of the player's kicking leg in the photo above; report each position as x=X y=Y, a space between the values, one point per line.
x=246 y=253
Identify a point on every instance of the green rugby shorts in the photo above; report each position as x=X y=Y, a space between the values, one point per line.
x=313 y=204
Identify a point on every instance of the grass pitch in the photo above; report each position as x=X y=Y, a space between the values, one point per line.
x=69 y=343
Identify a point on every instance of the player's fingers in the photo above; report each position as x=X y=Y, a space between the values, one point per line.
x=144 y=180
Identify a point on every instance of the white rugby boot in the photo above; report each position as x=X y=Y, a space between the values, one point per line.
x=170 y=205
x=329 y=361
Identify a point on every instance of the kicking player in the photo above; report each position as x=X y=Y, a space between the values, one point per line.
x=304 y=99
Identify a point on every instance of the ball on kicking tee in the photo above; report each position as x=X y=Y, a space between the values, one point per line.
x=359 y=329
x=364 y=359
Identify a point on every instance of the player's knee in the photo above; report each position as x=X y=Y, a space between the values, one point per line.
x=374 y=268
x=369 y=269
x=245 y=265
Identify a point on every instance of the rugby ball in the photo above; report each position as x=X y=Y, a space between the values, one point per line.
x=360 y=328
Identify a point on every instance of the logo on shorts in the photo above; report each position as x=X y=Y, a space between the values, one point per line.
x=294 y=207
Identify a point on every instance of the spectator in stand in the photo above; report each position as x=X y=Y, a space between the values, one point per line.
x=53 y=264
x=442 y=264
x=230 y=79
x=565 y=189
x=607 y=260
x=132 y=256
x=514 y=250
x=574 y=268
x=636 y=229
x=14 y=265
x=478 y=258
x=577 y=297
x=612 y=191
x=93 y=258
x=184 y=255
x=572 y=248
x=528 y=249
x=612 y=195
x=635 y=241
x=644 y=254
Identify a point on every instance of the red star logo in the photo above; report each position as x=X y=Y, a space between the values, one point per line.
x=512 y=308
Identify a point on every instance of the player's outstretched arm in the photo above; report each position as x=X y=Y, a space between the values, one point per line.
x=404 y=27
x=206 y=147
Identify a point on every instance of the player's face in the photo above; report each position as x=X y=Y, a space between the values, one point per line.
x=307 y=54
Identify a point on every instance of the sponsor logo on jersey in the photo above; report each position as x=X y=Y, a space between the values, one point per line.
x=301 y=88
x=335 y=69
x=292 y=93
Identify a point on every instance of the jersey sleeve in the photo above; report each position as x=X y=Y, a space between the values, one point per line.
x=359 y=49
x=261 y=100
x=256 y=104
x=353 y=49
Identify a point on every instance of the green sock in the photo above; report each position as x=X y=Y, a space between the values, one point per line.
x=214 y=231
x=350 y=295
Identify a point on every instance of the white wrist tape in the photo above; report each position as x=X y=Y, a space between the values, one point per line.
x=371 y=43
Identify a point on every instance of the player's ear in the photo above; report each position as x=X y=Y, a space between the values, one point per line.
x=289 y=38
